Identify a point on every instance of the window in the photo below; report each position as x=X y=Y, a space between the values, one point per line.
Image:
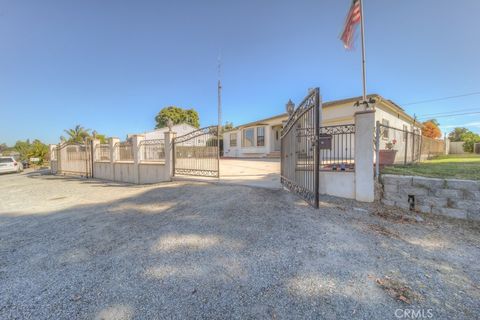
x=260 y=136
x=248 y=137
x=385 y=133
x=405 y=132
x=233 y=139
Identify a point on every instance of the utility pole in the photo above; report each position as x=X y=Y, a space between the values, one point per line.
x=219 y=102
x=219 y=93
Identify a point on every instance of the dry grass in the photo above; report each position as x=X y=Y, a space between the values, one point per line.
x=398 y=290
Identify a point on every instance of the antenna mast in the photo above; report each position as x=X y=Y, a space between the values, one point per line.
x=219 y=88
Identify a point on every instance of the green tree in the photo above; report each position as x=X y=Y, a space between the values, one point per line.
x=101 y=137
x=469 y=138
x=38 y=150
x=22 y=147
x=456 y=134
x=228 y=126
x=78 y=134
x=177 y=115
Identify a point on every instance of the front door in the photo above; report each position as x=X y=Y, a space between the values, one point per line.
x=277 y=132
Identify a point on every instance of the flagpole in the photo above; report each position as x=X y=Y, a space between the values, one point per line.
x=364 y=71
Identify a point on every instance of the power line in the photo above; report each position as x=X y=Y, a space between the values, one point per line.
x=441 y=99
x=448 y=112
x=453 y=114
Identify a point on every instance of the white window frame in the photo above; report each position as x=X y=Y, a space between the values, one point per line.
x=256 y=136
x=234 y=140
x=244 y=140
x=386 y=131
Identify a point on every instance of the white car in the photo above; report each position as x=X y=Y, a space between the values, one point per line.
x=9 y=164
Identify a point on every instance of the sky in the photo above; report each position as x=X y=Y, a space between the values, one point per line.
x=113 y=65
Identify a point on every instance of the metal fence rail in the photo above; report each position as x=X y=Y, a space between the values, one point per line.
x=102 y=152
x=299 y=150
x=337 y=148
x=124 y=151
x=74 y=158
x=152 y=150
x=395 y=146
x=197 y=153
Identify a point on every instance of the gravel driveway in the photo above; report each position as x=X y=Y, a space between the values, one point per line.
x=78 y=249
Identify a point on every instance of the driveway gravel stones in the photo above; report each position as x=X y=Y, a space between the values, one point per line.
x=83 y=249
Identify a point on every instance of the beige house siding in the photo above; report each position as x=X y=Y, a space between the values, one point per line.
x=339 y=112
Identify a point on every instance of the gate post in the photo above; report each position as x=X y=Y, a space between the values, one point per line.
x=53 y=158
x=137 y=157
x=113 y=156
x=95 y=143
x=169 y=155
x=364 y=151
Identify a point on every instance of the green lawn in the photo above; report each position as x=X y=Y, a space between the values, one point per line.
x=453 y=166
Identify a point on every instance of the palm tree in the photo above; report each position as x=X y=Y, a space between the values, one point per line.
x=78 y=134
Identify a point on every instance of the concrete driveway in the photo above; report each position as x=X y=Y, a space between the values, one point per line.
x=86 y=249
x=252 y=172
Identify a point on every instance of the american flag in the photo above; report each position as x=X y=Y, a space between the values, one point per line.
x=353 y=18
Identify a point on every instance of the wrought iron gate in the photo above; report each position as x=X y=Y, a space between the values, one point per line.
x=299 y=149
x=197 y=153
x=75 y=159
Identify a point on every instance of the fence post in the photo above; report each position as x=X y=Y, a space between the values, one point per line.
x=406 y=147
x=113 y=156
x=95 y=144
x=364 y=173
x=447 y=146
x=53 y=157
x=413 y=145
x=377 y=150
x=136 y=139
x=169 y=154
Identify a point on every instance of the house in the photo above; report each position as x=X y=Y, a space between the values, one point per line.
x=180 y=130
x=261 y=138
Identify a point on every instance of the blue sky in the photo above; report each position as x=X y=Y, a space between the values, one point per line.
x=112 y=65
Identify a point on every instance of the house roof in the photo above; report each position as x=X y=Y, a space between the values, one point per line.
x=249 y=124
x=163 y=128
x=378 y=98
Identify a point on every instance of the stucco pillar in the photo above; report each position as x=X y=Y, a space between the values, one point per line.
x=137 y=156
x=169 y=136
x=95 y=144
x=269 y=139
x=52 y=148
x=113 y=156
x=364 y=151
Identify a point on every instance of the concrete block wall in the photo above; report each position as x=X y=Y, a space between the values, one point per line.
x=448 y=197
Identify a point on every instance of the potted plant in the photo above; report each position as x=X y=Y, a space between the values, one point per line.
x=387 y=155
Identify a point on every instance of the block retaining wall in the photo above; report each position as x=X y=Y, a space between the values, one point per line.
x=448 y=197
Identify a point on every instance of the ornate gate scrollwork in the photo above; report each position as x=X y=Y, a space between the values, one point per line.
x=197 y=153
x=299 y=149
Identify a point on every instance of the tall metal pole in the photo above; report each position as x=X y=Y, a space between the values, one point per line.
x=219 y=125
x=364 y=72
x=316 y=155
